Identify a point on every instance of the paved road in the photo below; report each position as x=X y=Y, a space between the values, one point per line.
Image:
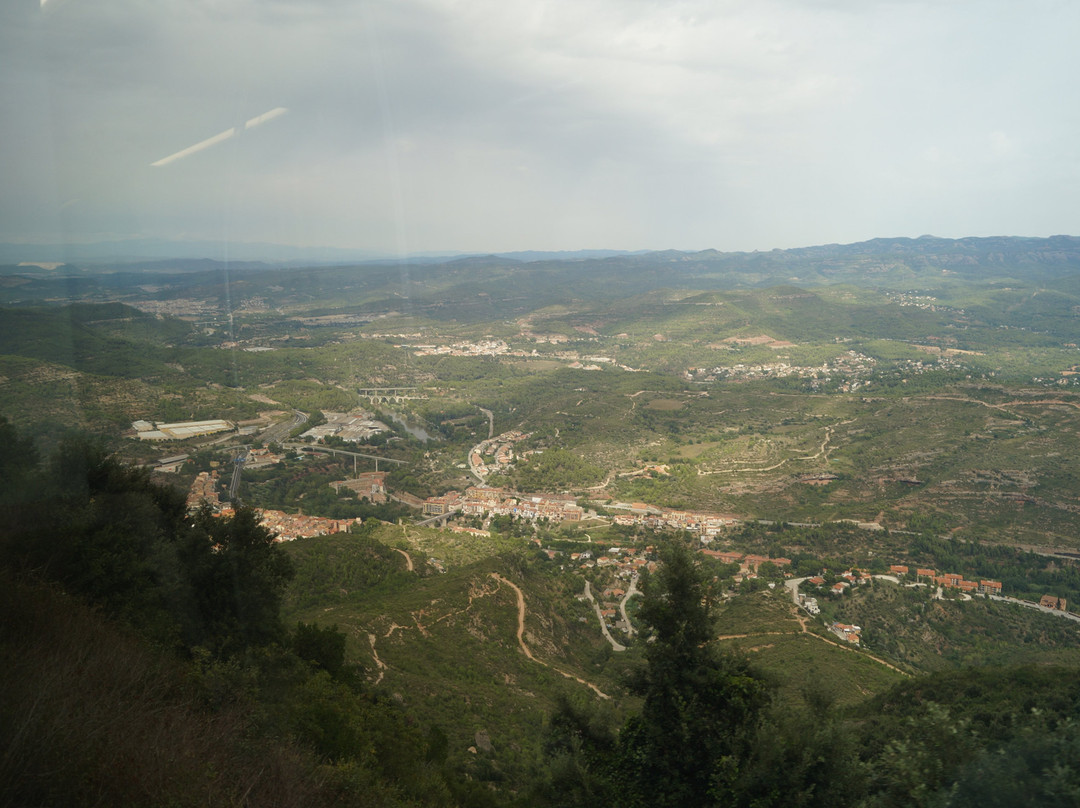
x=278 y=432
x=475 y=450
x=633 y=590
x=1030 y=605
x=793 y=585
x=234 y=484
x=615 y=644
x=491 y=421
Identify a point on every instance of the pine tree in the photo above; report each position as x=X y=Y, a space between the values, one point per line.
x=699 y=704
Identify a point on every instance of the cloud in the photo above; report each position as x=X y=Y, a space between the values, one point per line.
x=442 y=124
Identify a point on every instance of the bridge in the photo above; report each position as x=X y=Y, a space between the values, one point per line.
x=308 y=447
x=439 y=517
x=387 y=395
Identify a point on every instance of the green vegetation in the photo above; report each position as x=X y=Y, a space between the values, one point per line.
x=866 y=406
x=128 y=619
x=555 y=470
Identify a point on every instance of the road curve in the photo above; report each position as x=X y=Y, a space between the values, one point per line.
x=603 y=626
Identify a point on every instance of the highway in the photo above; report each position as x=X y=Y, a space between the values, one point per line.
x=279 y=432
x=234 y=484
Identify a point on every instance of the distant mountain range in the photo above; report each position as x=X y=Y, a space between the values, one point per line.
x=158 y=254
x=148 y=251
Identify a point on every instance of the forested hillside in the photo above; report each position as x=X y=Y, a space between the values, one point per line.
x=146 y=662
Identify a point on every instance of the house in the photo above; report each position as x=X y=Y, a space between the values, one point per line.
x=847 y=633
x=436 y=506
x=1053 y=602
x=752 y=562
x=898 y=569
x=369 y=485
x=990 y=587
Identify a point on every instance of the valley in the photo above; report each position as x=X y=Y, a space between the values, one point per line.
x=476 y=467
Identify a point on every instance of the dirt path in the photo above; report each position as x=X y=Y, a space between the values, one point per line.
x=379 y=664
x=854 y=650
x=521 y=638
x=408 y=559
x=823 y=450
x=851 y=648
x=607 y=481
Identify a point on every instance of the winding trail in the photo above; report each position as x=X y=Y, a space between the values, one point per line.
x=607 y=481
x=379 y=664
x=1005 y=404
x=525 y=648
x=823 y=451
x=408 y=559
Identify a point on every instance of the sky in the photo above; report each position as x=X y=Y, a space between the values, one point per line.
x=411 y=126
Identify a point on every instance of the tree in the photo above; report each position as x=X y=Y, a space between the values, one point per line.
x=238 y=576
x=323 y=647
x=699 y=704
x=579 y=752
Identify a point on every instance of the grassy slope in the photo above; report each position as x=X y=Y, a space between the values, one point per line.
x=448 y=640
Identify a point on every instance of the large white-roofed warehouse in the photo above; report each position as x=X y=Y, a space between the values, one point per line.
x=180 y=430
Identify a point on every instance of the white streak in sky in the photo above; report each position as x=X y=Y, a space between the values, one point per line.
x=266 y=116
x=198 y=147
x=251 y=123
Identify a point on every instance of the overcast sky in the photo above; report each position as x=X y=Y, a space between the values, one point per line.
x=489 y=125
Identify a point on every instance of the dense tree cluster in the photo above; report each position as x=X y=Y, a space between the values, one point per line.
x=146 y=663
x=709 y=732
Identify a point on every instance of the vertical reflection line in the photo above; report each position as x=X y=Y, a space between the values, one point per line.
x=230 y=209
x=390 y=145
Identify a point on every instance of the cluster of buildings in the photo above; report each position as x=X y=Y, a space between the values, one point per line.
x=485 y=502
x=849 y=364
x=748 y=562
x=485 y=347
x=287 y=526
x=946 y=580
x=949 y=580
x=204 y=489
x=847 y=633
x=259 y=457
x=354 y=427
x=290 y=526
x=624 y=562
x=498 y=347
x=500 y=447
x=706 y=525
